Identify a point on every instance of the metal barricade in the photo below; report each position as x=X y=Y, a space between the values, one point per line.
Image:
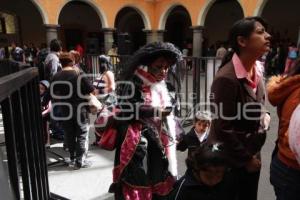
x=195 y=77
x=22 y=121
x=118 y=63
x=192 y=77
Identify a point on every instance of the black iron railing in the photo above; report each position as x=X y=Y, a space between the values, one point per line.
x=192 y=78
x=195 y=77
x=22 y=120
x=92 y=64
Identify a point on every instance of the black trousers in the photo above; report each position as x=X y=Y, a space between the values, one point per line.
x=76 y=131
x=285 y=180
x=247 y=184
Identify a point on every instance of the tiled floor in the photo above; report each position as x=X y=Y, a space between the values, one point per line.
x=93 y=183
x=84 y=184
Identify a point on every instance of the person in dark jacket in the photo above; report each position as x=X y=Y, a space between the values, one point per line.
x=69 y=93
x=40 y=60
x=206 y=177
x=237 y=99
x=198 y=133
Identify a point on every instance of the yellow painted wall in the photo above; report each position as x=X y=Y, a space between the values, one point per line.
x=112 y=7
x=50 y=9
x=249 y=6
x=192 y=6
x=153 y=9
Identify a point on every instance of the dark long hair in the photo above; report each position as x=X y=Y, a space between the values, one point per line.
x=244 y=27
x=55 y=45
x=207 y=155
x=104 y=64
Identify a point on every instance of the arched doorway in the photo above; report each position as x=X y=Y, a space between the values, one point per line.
x=218 y=21
x=21 y=27
x=178 y=28
x=130 y=36
x=283 y=20
x=284 y=24
x=80 y=24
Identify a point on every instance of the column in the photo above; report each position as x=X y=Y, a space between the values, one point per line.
x=160 y=35
x=150 y=36
x=154 y=35
x=197 y=40
x=108 y=38
x=51 y=32
x=197 y=52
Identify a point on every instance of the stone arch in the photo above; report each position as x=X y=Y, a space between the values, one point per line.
x=80 y=24
x=178 y=27
x=242 y=7
x=215 y=33
x=260 y=7
x=207 y=6
x=163 y=18
x=140 y=11
x=31 y=26
x=283 y=26
x=41 y=11
x=131 y=23
x=98 y=10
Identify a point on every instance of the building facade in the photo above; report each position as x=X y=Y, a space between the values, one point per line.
x=97 y=24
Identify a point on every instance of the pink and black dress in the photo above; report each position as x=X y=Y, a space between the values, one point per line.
x=145 y=160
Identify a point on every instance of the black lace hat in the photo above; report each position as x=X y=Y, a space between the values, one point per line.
x=149 y=53
x=153 y=50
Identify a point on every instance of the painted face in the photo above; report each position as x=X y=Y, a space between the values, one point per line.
x=212 y=175
x=42 y=89
x=259 y=41
x=201 y=126
x=159 y=68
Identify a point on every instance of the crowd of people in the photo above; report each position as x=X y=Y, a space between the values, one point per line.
x=224 y=144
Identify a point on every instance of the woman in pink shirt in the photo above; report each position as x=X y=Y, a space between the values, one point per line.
x=238 y=104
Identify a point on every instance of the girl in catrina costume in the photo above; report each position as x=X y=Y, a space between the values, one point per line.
x=145 y=158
